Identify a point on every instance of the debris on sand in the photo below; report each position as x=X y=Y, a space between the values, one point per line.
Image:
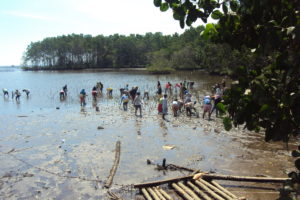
x=168 y=147
x=100 y=127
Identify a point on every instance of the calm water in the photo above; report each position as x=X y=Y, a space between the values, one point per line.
x=50 y=153
x=45 y=86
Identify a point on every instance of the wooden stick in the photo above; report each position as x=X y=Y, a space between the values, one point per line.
x=216 y=177
x=223 y=189
x=181 y=191
x=196 y=189
x=153 y=194
x=245 y=178
x=189 y=191
x=215 y=189
x=161 y=197
x=115 y=166
x=146 y=194
x=208 y=190
x=181 y=168
x=166 y=195
x=113 y=196
x=156 y=183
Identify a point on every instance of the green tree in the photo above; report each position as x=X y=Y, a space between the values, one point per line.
x=267 y=93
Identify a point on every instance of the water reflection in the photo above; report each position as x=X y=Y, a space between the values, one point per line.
x=164 y=128
x=138 y=125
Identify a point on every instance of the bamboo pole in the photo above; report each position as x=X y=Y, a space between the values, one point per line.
x=215 y=189
x=115 y=166
x=166 y=195
x=189 y=191
x=216 y=177
x=153 y=194
x=196 y=189
x=223 y=189
x=245 y=178
x=146 y=194
x=156 y=183
x=181 y=191
x=208 y=190
x=161 y=197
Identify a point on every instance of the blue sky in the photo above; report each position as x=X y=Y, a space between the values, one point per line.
x=26 y=21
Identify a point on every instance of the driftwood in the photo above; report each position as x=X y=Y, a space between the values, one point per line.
x=165 y=166
x=215 y=177
x=115 y=166
x=113 y=196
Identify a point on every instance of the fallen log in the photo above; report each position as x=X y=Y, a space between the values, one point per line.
x=215 y=177
x=115 y=166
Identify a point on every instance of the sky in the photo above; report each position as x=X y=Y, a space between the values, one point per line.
x=26 y=21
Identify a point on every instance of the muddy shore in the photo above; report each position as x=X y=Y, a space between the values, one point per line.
x=62 y=154
x=52 y=149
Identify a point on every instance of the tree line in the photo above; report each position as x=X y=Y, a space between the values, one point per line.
x=155 y=51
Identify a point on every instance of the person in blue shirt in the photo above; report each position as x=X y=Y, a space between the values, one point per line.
x=125 y=100
x=206 y=106
x=82 y=97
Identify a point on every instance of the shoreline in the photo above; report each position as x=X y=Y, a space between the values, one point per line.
x=117 y=69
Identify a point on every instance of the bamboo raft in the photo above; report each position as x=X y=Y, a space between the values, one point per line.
x=204 y=187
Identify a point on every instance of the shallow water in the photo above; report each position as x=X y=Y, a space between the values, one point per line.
x=50 y=153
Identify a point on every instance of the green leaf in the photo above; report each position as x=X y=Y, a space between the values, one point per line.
x=227 y=123
x=295 y=153
x=225 y=9
x=164 y=7
x=176 y=16
x=290 y=29
x=293 y=175
x=216 y=14
x=181 y=23
x=264 y=108
x=297 y=164
x=233 y=5
x=221 y=107
x=157 y=3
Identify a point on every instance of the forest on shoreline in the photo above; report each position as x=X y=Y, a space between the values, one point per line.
x=157 y=52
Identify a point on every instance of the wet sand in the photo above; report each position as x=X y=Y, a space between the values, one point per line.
x=61 y=154
x=50 y=153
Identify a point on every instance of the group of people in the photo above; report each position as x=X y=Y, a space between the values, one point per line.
x=210 y=103
x=182 y=98
x=15 y=94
